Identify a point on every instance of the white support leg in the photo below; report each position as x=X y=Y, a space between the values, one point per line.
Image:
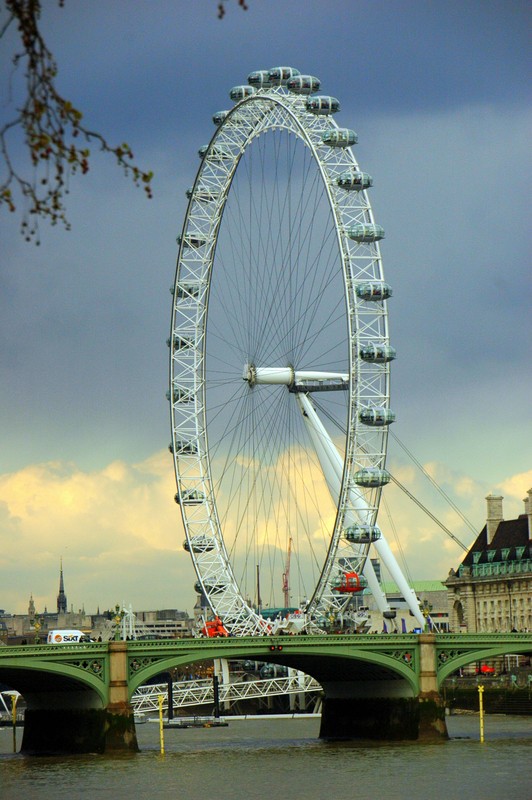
x=331 y=464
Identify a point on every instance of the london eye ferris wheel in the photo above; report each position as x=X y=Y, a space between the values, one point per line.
x=280 y=360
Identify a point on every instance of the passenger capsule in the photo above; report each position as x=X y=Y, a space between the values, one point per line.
x=339 y=137
x=303 y=84
x=187 y=291
x=214 y=153
x=362 y=534
x=199 y=544
x=219 y=117
x=377 y=353
x=182 y=342
x=209 y=588
x=280 y=75
x=200 y=193
x=322 y=104
x=349 y=583
x=260 y=79
x=240 y=92
x=373 y=291
x=180 y=395
x=189 y=497
x=366 y=232
x=354 y=181
x=189 y=240
x=390 y=613
x=186 y=447
x=371 y=477
x=376 y=417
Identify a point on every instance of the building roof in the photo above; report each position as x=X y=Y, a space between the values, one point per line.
x=510 y=543
x=389 y=587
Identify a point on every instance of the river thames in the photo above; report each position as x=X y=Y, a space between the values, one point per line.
x=275 y=758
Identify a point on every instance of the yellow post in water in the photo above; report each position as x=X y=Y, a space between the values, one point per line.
x=481 y=711
x=14 y=698
x=161 y=729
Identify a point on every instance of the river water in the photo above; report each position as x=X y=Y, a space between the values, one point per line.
x=276 y=758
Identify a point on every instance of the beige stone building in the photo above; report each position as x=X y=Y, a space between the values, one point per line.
x=492 y=589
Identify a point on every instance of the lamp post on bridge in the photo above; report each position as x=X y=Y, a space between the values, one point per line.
x=37 y=625
x=426 y=608
x=118 y=619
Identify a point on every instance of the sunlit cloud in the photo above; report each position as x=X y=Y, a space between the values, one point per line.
x=120 y=534
x=516 y=486
x=117 y=529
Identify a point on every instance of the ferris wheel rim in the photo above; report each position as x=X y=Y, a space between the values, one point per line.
x=193 y=470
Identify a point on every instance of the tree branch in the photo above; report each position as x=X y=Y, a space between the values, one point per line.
x=52 y=128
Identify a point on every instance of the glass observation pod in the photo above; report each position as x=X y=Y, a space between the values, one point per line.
x=322 y=105
x=240 y=92
x=219 y=117
x=183 y=342
x=187 y=290
x=180 y=342
x=201 y=194
x=349 y=583
x=260 y=79
x=374 y=291
x=189 y=497
x=211 y=588
x=376 y=417
x=303 y=84
x=389 y=613
x=185 y=447
x=180 y=395
x=215 y=153
x=366 y=232
x=354 y=181
x=199 y=544
x=362 y=534
x=371 y=477
x=188 y=240
x=377 y=353
x=339 y=137
x=279 y=76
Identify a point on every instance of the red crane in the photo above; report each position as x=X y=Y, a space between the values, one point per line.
x=286 y=576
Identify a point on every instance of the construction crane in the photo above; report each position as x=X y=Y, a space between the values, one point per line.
x=286 y=576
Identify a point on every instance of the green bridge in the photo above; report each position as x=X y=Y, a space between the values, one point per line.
x=384 y=686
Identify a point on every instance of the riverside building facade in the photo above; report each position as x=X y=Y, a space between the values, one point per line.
x=492 y=589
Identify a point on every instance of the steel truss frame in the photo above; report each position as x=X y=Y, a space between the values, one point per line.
x=367 y=323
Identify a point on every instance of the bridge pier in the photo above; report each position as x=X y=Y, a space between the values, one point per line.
x=120 y=731
x=383 y=719
x=73 y=720
x=387 y=710
x=67 y=731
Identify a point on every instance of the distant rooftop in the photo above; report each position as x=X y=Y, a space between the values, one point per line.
x=418 y=586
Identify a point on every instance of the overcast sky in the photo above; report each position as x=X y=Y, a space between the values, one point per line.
x=437 y=93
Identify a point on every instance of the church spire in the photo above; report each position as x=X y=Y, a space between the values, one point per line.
x=61 y=597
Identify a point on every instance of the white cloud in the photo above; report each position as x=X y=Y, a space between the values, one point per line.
x=118 y=530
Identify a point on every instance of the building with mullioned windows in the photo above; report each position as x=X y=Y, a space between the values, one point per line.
x=492 y=589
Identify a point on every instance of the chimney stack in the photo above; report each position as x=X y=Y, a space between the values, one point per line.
x=494 y=516
x=528 y=512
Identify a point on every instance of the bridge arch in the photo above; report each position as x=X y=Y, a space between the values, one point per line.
x=340 y=666
x=40 y=682
x=451 y=659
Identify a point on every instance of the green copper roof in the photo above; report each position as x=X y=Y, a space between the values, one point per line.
x=418 y=586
